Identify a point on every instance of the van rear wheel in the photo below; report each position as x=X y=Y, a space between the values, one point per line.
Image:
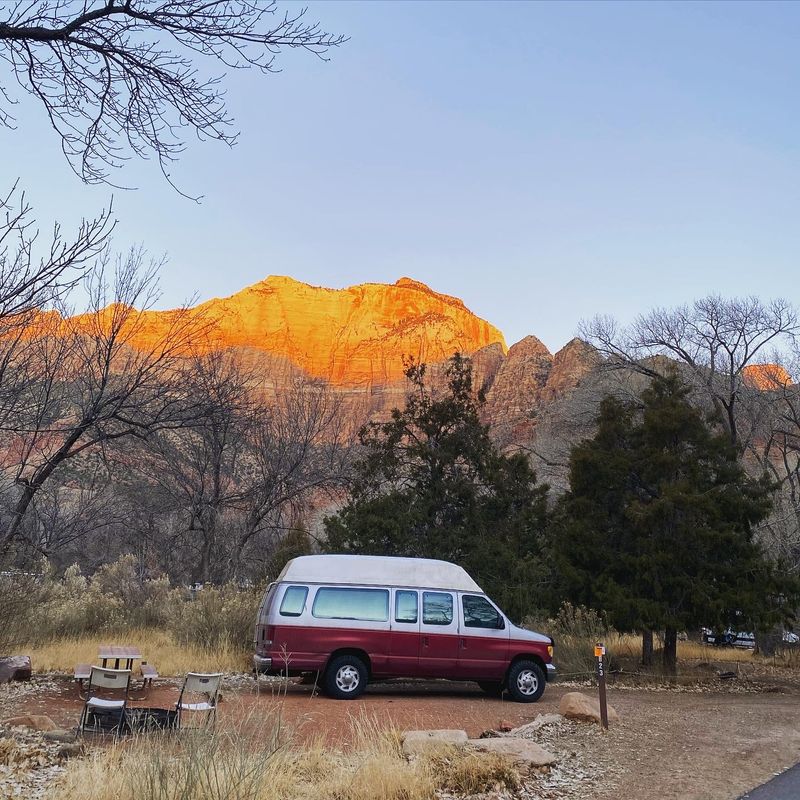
x=526 y=681
x=345 y=677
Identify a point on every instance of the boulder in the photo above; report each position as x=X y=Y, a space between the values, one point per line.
x=37 y=722
x=15 y=668
x=70 y=750
x=523 y=751
x=541 y=721
x=417 y=742
x=575 y=705
x=60 y=735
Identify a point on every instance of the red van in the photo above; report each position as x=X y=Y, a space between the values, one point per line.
x=354 y=618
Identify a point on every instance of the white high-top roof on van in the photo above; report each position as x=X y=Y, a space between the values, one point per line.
x=424 y=573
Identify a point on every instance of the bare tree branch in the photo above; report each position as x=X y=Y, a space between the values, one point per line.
x=117 y=78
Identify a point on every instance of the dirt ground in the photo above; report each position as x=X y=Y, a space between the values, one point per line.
x=693 y=744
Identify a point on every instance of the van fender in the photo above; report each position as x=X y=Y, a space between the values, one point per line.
x=350 y=651
x=526 y=657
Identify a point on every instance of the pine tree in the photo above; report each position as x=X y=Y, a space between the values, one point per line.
x=432 y=484
x=657 y=528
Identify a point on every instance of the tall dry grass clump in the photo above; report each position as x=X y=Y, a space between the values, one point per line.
x=64 y=619
x=171 y=657
x=576 y=630
x=236 y=765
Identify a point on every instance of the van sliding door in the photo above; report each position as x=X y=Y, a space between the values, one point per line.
x=403 y=659
x=438 y=652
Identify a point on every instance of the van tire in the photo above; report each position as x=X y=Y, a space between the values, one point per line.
x=345 y=678
x=526 y=681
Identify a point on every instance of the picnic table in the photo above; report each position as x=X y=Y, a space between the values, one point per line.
x=123 y=657
x=118 y=653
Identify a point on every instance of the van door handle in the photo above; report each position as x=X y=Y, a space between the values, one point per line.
x=424 y=641
x=463 y=644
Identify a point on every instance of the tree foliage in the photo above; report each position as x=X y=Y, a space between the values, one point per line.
x=431 y=484
x=657 y=528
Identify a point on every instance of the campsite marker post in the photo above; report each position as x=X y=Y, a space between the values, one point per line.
x=599 y=654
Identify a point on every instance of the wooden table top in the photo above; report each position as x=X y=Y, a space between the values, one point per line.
x=106 y=651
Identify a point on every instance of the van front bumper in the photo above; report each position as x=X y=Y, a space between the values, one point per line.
x=262 y=664
x=551 y=672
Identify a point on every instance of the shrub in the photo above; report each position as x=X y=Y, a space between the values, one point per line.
x=576 y=630
x=218 y=616
x=116 y=599
x=113 y=598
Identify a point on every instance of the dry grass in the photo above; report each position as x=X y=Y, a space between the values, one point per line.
x=158 y=647
x=696 y=651
x=232 y=766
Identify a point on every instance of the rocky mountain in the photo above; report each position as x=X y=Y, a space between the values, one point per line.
x=355 y=337
x=358 y=338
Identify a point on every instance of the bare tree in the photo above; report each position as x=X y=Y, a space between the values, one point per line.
x=249 y=468
x=301 y=451
x=31 y=277
x=118 y=78
x=199 y=468
x=715 y=339
x=96 y=379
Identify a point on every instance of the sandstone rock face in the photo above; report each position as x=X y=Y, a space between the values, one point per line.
x=523 y=751
x=766 y=376
x=36 y=722
x=516 y=391
x=571 y=364
x=575 y=705
x=356 y=336
x=418 y=742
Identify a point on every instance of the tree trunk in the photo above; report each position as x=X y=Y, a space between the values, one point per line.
x=647 y=648
x=768 y=642
x=670 y=656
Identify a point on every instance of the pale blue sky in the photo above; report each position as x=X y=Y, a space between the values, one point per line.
x=544 y=162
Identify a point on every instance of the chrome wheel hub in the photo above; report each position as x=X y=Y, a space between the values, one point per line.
x=527 y=682
x=347 y=678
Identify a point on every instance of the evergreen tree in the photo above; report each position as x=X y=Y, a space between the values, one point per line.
x=657 y=528
x=431 y=484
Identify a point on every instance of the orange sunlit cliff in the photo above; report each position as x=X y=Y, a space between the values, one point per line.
x=351 y=337
x=766 y=376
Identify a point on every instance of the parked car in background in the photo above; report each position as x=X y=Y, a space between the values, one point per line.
x=352 y=619
x=729 y=638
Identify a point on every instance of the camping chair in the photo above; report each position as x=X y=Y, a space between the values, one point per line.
x=106 y=695
x=203 y=690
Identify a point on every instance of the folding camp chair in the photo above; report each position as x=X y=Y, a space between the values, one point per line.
x=106 y=696
x=200 y=692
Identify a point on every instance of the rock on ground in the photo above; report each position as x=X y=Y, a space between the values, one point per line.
x=575 y=705
x=418 y=742
x=541 y=721
x=15 y=668
x=60 y=735
x=523 y=751
x=37 y=722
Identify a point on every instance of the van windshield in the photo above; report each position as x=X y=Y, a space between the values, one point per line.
x=371 y=605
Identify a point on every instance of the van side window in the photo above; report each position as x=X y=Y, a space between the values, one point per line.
x=371 y=605
x=480 y=613
x=405 y=606
x=294 y=601
x=437 y=608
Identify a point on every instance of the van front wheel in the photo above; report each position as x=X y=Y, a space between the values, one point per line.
x=345 y=678
x=526 y=681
